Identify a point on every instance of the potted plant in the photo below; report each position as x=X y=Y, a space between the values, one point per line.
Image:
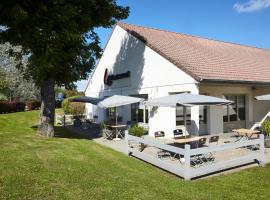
x=137 y=131
x=266 y=131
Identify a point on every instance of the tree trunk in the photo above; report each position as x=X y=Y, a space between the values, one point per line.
x=46 y=120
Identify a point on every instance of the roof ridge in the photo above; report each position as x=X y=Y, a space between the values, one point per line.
x=199 y=37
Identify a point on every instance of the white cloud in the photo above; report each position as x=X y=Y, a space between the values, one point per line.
x=251 y=5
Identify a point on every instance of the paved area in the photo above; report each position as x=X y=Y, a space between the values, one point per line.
x=119 y=145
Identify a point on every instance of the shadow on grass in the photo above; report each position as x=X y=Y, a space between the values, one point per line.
x=62 y=132
x=73 y=133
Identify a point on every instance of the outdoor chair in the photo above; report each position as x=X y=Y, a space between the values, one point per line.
x=121 y=133
x=159 y=134
x=214 y=139
x=202 y=160
x=207 y=158
x=87 y=124
x=202 y=142
x=77 y=122
x=108 y=134
x=196 y=161
x=161 y=153
x=177 y=133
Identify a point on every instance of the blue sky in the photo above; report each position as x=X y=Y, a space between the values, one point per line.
x=239 y=21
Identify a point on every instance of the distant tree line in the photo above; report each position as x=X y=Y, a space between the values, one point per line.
x=13 y=85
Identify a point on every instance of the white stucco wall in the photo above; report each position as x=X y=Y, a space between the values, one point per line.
x=150 y=74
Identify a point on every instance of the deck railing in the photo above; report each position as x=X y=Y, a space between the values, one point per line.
x=186 y=170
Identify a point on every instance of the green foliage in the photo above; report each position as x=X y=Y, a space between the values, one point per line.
x=72 y=93
x=4 y=83
x=12 y=82
x=58 y=36
x=266 y=127
x=3 y=97
x=74 y=108
x=136 y=130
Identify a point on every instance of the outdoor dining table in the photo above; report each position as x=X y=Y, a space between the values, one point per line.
x=116 y=127
x=245 y=133
x=186 y=140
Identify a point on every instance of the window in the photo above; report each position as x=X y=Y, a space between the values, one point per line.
x=137 y=110
x=237 y=110
x=180 y=114
x=203 y=115
x=110 y=112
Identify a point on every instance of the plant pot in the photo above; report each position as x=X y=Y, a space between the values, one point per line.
x=267 y=142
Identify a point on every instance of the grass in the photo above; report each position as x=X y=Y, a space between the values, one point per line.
x=68 y=167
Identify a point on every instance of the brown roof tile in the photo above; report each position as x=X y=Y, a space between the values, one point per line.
x=206 y=59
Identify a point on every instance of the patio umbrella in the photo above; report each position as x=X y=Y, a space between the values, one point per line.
x=186 y=99
x=263 y=97
x=86 y=99
x=116 y=101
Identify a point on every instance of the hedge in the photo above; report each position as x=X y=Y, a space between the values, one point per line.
x=11 y=106
x=33 y=105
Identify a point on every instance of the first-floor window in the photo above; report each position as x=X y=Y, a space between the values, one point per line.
x=237 y=110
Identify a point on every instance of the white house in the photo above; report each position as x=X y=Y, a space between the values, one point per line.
x=151 y=63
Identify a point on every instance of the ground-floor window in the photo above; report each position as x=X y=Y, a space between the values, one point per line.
x=237 y=110
x=180 y=116
x=137 y=110
x=110 y=113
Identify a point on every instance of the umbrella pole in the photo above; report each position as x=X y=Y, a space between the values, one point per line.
x=185 y=119
x=144 y=114
x=116 y=136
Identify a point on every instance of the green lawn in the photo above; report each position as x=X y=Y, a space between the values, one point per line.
x=66 y=167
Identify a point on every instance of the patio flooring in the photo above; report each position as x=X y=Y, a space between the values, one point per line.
x=119 y=145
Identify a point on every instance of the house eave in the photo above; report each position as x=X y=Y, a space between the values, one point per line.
x=240 y=82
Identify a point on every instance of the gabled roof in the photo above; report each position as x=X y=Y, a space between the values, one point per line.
x=205 y=59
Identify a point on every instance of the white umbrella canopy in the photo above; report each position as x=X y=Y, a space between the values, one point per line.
x=263 y=97
x=118 y=100
x=86 y=99
x=186 y=99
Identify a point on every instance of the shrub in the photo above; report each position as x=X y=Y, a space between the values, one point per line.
x=72 y=93
x=11 y=106
x=33 y=105
x=266 y=127
x=136 y=130
x=20 y=106
x=74 y=108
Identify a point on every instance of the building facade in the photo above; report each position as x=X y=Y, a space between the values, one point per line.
x=151 y=63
